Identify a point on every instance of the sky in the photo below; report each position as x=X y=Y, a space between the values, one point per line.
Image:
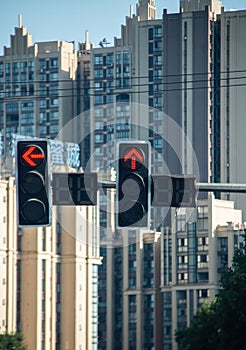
x=68 y=20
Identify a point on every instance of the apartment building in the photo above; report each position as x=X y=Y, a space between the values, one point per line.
x=196 y=249
x=49 y=276
x=37 y=88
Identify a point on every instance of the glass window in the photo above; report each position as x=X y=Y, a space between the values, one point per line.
x=98 y=99
x=158 y=45
x=28 y=130
x=54 y=128
x=99 y=112
x=98 y=73
x=42 y=103
x=126 y=57
x=54 y=89
x=157 y=32
x=43 y=130
x=158 y=143
x=98 y=125
x=110 y=98
x=110 y=59
x=98 y=86
x=54 y=115
x=27 y=118
x=54 y=63
x=53 y=76
x=7 y=68
x=15 y=67
x=158 y=60
x=98 y=59
x=110 y=72
x=54 y=102
x=42 y=65
x=98 y=138
x=12 y=107
x=118 y=58
x=158 y=73
x=31 y=66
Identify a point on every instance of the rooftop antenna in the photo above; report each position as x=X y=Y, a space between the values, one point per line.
x=20 y=20
x=131 y=11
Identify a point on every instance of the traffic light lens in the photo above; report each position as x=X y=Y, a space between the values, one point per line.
x=32 y=182
x=33 y=210
x=133 y=158
x=132 y=186
x=133 y=211
x=32 y=156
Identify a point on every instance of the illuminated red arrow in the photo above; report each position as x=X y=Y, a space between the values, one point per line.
x=133 y=155
x=31 y=157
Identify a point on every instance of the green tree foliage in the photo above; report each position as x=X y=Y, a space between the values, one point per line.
x=11 y=341
x=221 y=324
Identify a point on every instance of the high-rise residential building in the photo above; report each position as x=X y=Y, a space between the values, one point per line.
x=196 y=249
x=172 y=65
x=232 y=99
x=37 y=87
x=49 y=276
x=130 y=301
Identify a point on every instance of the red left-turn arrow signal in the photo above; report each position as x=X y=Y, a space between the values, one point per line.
x=32 y=156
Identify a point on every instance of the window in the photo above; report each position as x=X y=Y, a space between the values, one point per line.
x=53 y=76
x=110 y=59
x=54 y=89
x=158 y=143
x=118 y=58
x=54 y=63
x=98 y=138
x=158 y=73
x=27 y=106
x=157 y=102
x=98 y=112
x=126 y=57
x=42 y=103
x=54 y=102
x=98 y=60
x=98 y=125
x=110 y=72
x=158 y=60
x=98 y=73
x=98 y=86
x=98 y=99
x=54 y=115
x=157 y=32
x=54 y=129
x=157 y=45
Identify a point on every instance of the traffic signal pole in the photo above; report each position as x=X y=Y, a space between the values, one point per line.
x=200 y=186
x=221 y=187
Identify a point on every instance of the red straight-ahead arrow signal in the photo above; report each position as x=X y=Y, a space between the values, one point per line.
x=134 y=155
x=33 y=156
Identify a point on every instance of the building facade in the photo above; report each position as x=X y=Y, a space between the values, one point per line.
x=196 y=249
x=49 y=277
x=37 y=88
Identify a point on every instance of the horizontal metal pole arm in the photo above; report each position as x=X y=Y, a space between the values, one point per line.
x=201 y=187
x=221 y=187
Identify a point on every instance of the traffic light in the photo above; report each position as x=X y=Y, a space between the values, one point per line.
x=173 y=191
x=133 y=185
x=33 y=183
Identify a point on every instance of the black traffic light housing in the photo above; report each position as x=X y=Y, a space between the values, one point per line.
x=33 y=183
x=173 y=191
x=133 y=185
